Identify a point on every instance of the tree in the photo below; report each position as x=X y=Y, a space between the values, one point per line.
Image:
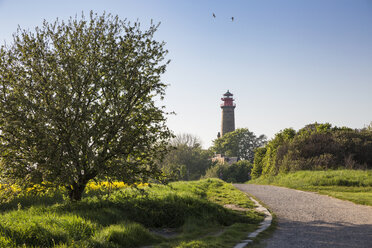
x=259 y=155
x=77 y=103
x=238 y=172
x=240 y=143
x=368 y=127
x=187 y=160
x=185 y=139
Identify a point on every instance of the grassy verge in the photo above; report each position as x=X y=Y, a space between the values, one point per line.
x=191 y=212
x=351 y=185
x=258 y=242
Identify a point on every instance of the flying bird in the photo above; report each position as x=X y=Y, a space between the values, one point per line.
x=214 y=16
x=232 y=19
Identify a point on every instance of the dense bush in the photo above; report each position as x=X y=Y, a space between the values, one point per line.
x=238 y=172
x=314 y=147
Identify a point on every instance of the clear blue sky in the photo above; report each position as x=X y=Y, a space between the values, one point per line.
x=288 y=63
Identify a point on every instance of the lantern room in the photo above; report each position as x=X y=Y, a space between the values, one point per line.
x=227 y=99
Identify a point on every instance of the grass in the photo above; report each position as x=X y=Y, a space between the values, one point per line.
x=268 y=233
x=124 y=235
x=351 y=185
x=193 y=211
x=257 y=242
x=228 y=237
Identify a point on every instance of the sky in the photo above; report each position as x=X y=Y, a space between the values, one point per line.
x=288 y=63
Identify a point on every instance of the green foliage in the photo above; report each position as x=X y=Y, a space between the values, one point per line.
x=314 y=147
x=352 y=185
x=77 y=103
x=123 y=235
x=187 y=160
x=238 y=172
x=124 y=218
x=258 y=161
x=281 y=138
x=368 y=127
x=240 y=143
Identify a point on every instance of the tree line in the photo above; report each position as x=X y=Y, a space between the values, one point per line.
x=188 y=161
x=314 y=147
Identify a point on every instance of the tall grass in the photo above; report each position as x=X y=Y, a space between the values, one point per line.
x=362 y=178
x=124 y=235
x=35 y=227
x=352 y=185
x=123 y=217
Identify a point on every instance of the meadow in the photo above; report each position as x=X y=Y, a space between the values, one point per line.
x=181 y=214
x=351 y=185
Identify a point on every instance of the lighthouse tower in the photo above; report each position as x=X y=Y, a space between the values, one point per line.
x=228 y=118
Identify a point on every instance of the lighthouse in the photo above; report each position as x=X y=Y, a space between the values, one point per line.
x=228 y=118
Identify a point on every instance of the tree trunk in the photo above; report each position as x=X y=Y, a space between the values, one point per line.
x=76 y=191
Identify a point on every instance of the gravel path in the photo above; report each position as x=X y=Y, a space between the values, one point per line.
x=308 y=219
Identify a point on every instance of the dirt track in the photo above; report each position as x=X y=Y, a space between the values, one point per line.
x=308 y=219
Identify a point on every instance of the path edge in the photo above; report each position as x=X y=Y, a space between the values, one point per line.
x=264 y=225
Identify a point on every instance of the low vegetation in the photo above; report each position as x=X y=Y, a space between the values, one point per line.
x=183 y=214
x=352 y=185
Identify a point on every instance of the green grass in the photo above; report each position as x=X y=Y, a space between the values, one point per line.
x=126 y=218
x=228 y=237
x=124 y=235
x=351 y=185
